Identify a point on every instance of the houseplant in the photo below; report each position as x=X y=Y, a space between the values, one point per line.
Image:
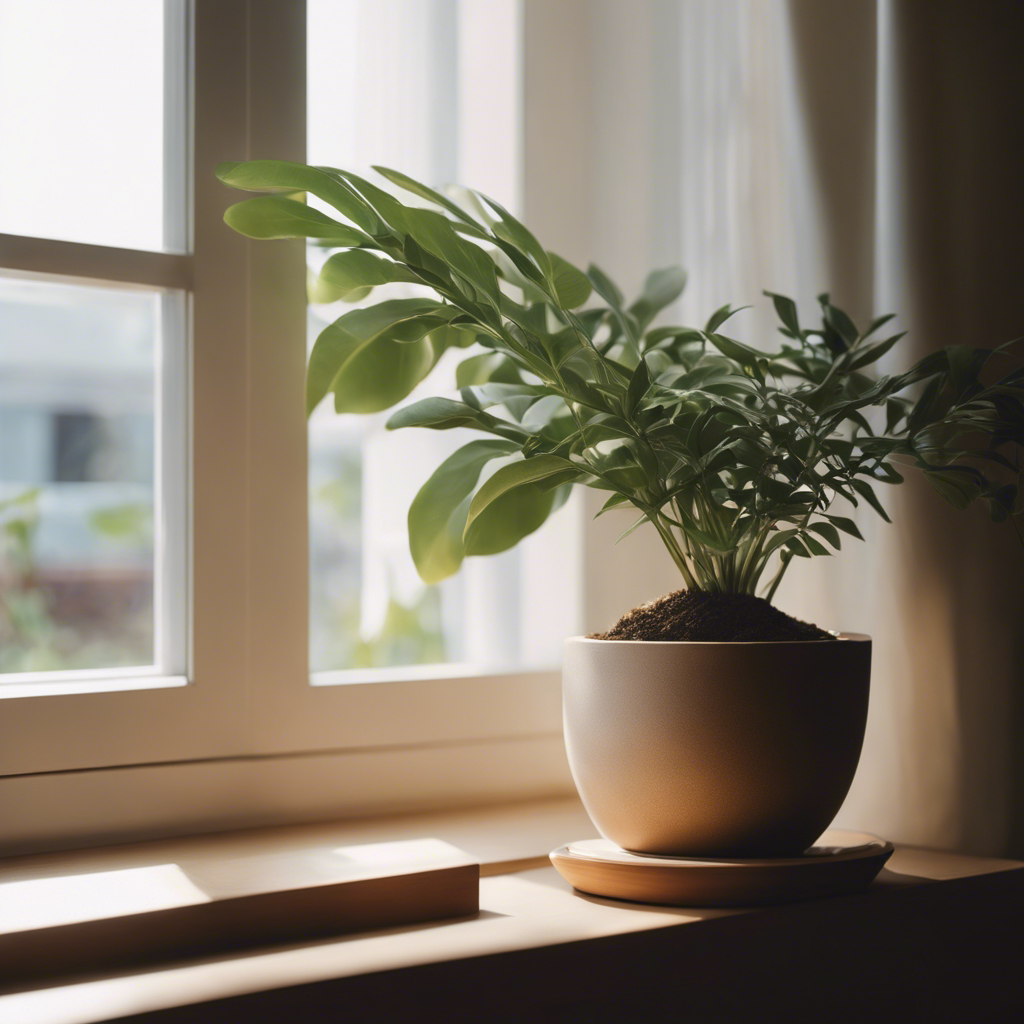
x=708 y=723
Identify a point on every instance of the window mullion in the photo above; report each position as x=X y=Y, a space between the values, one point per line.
x=278 y=525
x=95 y=263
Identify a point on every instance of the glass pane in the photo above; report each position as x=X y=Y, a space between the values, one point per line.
x=91 y=126
x=78 y=459
x=368 y=607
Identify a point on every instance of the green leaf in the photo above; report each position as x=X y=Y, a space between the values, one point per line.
x=638 y=385
x=1001 y=501
x=736 y=350
x=133 y=522
x=351 y=271
x=437 y=414
x=877 y=323
x=418 y=189
x=571 y=285
x=866 y=491
x=510 y=478
x=829 y=532
x=895 y=410
x=840 y=322
x=372 y=358
x=631 y=529
x=661 y=289
x=467 y=260
x=785 y=309
x=605 y=286
x=720 y=316
x=846 y=525
x=615 y=501
x=965 y=364
x=872 y=353
x=434 y=233
x=923 y=411
x=486 y=367
x=517 y=234
x=959 y=485
x=279 y=217
x=814 y=546
x=281 y=175
x=437 y=516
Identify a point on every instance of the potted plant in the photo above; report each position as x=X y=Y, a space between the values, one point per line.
x=708 y=722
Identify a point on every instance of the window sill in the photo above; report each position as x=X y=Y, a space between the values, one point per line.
x=931 y=936
x=63 y=684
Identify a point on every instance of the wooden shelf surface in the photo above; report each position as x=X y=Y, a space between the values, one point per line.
x=934 y=928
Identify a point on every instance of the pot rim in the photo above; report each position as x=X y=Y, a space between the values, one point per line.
x=849 y=637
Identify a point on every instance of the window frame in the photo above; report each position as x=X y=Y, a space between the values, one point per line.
x=94 y=754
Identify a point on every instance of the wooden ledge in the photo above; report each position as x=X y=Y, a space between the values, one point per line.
x=936 y=937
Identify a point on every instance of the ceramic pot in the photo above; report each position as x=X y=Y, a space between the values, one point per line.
x=714 y=749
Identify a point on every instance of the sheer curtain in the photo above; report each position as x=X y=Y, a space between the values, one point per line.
x=861 y=148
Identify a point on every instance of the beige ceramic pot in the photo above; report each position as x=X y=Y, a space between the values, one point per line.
x=715 y=749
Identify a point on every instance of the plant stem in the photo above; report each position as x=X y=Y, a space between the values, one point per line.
x=673 y=549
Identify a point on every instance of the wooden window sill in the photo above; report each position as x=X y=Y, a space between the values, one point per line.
x=937 y=936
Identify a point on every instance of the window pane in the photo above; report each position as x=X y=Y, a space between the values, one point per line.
x=92 y=97
x=80 y=372
x=368 y=607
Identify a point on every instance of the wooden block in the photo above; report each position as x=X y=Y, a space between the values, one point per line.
x=53 y=926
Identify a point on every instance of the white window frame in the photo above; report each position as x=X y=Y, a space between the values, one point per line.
x=244 y=738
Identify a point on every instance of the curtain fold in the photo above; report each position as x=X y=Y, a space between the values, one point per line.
x=872 y=150
x=939 y=131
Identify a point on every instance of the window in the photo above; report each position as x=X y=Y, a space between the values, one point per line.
x=445 y=119
x=92 y=559
x=157 y=505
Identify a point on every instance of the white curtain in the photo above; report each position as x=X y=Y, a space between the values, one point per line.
x=821 y=145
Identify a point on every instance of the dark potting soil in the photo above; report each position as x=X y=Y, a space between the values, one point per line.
x=699 y=615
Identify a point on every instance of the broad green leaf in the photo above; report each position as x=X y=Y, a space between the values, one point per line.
x=281 y=175
x=372 y=358
x=550 y=418
x=465 y=259
x=743 y=354
x=267 y=217
x=572 y=287
x=351 y=271
x=513 y=516
x=433 y=232
x=437 y=516
x=486 y=367
x=829 y=532
x=444 y=414
x=512 y=477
